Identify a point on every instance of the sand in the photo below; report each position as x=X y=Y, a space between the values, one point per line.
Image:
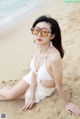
x=17 y=49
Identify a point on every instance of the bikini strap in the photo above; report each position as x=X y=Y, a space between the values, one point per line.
x=46 y=52
x=37 y=52
x=45 y=56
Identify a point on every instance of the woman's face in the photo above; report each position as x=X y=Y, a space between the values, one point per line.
x=42 y=32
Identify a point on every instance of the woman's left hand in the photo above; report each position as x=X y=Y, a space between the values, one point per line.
x=72 y=108
x=29 y=104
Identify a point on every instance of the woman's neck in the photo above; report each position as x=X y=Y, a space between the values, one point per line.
x=43 y=48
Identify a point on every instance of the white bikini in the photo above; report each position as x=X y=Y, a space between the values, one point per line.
x=42 y=74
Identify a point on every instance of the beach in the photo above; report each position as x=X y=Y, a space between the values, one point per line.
x=17 y=48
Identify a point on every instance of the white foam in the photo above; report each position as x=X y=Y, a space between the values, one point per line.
x=17 y=14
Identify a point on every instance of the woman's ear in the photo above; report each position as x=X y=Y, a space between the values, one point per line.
x=52 y=36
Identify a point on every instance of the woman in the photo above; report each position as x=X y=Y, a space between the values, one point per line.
x=46 y=68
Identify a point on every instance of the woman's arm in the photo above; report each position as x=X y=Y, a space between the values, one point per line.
x=33 y=85
x=57 y=73
x=31 y=100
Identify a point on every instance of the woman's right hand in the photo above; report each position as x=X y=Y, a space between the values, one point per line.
x=29 y=104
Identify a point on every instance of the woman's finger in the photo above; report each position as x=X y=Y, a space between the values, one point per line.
x=69 y=111
x=76 y=111
x=25 y=107
x=31 y=105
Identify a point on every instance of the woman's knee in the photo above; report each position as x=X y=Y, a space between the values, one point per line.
x=10 y=96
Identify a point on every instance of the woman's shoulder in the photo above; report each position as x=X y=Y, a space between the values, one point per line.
x=54 y=55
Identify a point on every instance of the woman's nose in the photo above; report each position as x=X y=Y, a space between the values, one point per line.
x=39 y=34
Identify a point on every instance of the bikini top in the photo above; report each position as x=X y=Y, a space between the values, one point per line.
x=42 y=73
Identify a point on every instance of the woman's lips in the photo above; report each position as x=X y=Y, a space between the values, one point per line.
x=39 y=39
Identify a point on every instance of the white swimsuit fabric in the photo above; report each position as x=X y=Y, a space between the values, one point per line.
x=41 y=93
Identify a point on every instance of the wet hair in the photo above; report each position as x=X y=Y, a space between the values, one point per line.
x=55 y=29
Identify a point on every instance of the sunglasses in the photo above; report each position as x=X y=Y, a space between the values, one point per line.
x=43 y=32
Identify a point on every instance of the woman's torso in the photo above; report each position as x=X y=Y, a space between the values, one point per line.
x=40 y=64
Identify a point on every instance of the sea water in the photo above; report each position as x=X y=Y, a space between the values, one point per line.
x=10 y=9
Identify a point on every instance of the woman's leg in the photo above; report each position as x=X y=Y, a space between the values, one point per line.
x=2 y=98
x=14 y=92
x=22 y=96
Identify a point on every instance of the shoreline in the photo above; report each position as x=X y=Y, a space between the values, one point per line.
x=15 y=18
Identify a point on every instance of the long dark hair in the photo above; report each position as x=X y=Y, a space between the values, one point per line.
x=55 y=29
